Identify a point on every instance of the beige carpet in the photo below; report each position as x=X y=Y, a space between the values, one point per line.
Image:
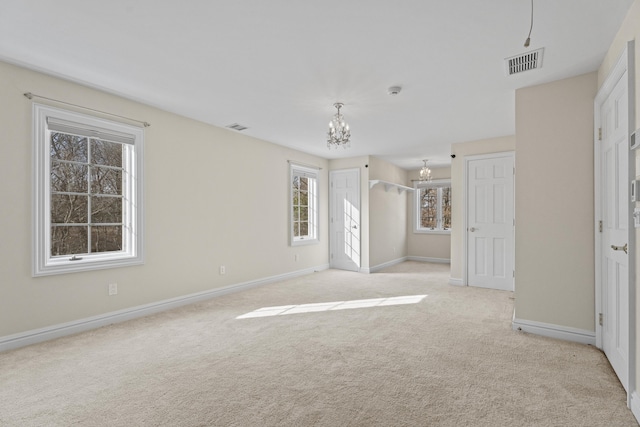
x=450 y=360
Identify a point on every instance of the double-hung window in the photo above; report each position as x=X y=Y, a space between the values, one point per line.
x=432 y=207
x=303 y=205
x=87 y=192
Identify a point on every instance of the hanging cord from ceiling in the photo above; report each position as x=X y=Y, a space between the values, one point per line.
x=528 y=41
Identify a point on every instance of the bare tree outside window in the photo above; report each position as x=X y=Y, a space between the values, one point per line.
x=434 y=208
x=446 y=208
x=304 y=205
x=300 y=206
x=86 y=195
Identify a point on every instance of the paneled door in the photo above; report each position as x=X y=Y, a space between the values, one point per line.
x=490 y=221
x=345 y=219
x=613 y=318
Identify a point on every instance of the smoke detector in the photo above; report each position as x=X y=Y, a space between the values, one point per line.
x=394 y=90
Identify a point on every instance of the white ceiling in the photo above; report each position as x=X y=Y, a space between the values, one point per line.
x=278 y=66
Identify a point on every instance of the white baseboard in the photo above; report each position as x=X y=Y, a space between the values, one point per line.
x=384 y=265
x=635 y=405
x=429 y=259
x=400 y=260
x=455 y=282
x=34 y=336
x=555 y=331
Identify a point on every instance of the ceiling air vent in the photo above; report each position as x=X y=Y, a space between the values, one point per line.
x=237 y=127
x=524 y=62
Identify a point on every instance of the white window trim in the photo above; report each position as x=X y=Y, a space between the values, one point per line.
x=132 y=254
x=297 y=169
x=416 y=205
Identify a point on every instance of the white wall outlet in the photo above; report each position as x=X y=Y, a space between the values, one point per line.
x=223 y=270
x=113 y=289
x=296 y=257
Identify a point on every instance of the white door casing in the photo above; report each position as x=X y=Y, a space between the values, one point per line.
x=490 y=221
x=345 y=219
x=614 y=242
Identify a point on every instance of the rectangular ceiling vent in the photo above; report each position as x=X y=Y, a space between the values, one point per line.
x=524 y=62
x=237 y=127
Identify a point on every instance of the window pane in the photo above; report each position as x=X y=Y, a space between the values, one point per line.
x=106 y=239
x=303 y=203
x=106 y=153
x=68 y=240
x=428 y=207
x=304 y=184
x=304 y=228
x=106 y=181
x=68 y=147
x=69 y=209
x=69 y=177
x=446 y=208
x=303 y=199
x=106 y=210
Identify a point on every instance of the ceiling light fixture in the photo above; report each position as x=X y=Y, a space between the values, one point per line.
x=339 y=132
x=528 y=40
x=425 y=172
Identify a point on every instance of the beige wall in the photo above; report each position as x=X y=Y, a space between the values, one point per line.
x=554 y=203
x=461 y=150
x=213 y=197
x=422 y=245
x=387 y=214
x=630 y=30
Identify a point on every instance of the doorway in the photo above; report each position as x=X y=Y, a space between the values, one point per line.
x=344 y=228
x=615 y=244
x=489 y=221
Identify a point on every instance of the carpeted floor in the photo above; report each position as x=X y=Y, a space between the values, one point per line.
x=449 y=360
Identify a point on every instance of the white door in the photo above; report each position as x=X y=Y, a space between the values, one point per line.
x=345 y=219
x=614 y=196
x=490 y=221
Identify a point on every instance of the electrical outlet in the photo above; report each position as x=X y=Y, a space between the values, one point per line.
x=113 y=289
x=222 y=269
x=296 y=257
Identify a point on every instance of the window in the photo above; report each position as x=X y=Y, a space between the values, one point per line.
x=304 y=205
x=87 y=192
x=433 y=207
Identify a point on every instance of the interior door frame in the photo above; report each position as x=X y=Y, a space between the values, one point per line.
x=465 y=216
x=625 y=63
x=331 y=223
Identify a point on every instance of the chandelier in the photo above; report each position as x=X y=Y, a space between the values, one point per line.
x=425 y=172
x=339 y=132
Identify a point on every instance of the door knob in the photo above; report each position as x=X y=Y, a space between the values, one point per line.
x=472 y=229
x=354 y=226
x=620 y=248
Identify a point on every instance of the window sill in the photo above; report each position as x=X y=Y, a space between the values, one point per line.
x=305 y=242
x=88 y=264
x=448 y=232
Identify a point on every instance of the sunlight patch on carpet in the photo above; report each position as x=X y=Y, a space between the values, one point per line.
x=328 y=306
